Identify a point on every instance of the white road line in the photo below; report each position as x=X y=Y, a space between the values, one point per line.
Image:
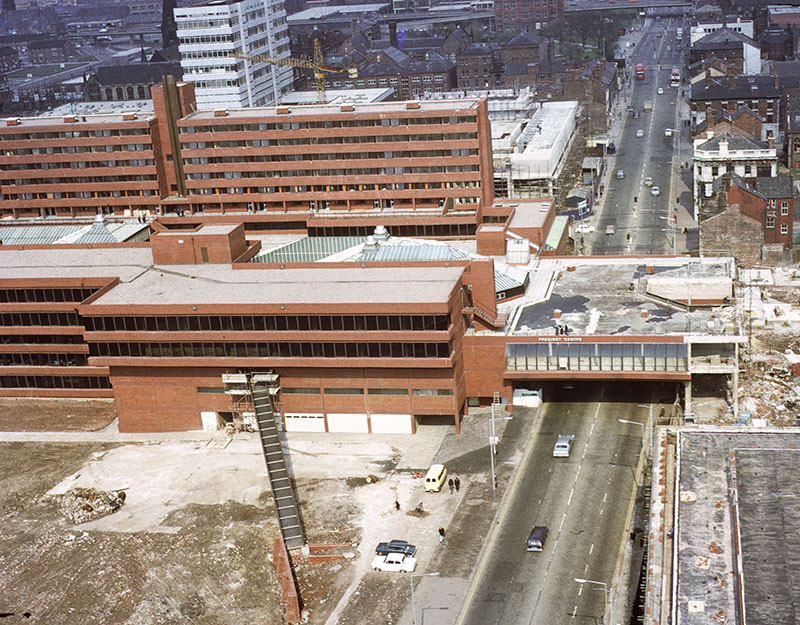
x=591 y=549
x=575 y=610
x=564 y=518
x=605 y=497
x=601 y=510
x=580 y=591
x=585 y=569
x=572 y=492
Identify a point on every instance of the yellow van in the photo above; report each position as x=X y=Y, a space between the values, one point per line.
x=435 y=477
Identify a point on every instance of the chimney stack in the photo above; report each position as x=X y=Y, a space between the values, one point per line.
x=708 y=77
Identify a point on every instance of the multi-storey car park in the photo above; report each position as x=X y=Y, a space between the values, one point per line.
x=371 y=334
x=422 y=168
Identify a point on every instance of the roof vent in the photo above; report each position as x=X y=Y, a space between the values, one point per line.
x=70 y=119
x=282 y=110
x=220 y=113
x=370 y=243
x=128 y=117
x=347 y=108
x=412 y=105
x=12 y=121
x=380 y=234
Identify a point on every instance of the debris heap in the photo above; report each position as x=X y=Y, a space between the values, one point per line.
x=80 y=505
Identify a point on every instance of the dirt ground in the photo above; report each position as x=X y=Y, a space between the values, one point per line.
x=56 y=415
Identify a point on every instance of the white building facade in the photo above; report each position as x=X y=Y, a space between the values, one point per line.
x=210 y=34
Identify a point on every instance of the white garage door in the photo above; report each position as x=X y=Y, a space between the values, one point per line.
x=391 y=423
x=296 y=422
x=344 y=422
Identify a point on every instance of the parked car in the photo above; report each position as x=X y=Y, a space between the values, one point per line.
x=660 y=91
x=648 y=182
x=640 y=133
x=620 y=174
x=584 y=228
x=655 y=191
x=611 y=229
x=396 y=546
x=611 y=147
x=667 y=132
x=394 y=563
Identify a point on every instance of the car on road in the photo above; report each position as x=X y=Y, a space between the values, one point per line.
x=584 y=228
x=655 y=191
x=640 y=133
x=537 y=538
x=660 y=91
x=394 y=563
x=620 y=174
x=396 y=546
x=648 y=182
x=611 y=229
x=563 y=446
x=667 y=132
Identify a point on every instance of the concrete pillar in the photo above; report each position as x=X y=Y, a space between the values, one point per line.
x=687 y=388
x=735 y=382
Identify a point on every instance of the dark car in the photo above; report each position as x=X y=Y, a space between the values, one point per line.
x=611 y=147
x=537 y=538
x=396 y=546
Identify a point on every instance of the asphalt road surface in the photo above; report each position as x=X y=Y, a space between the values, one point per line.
x=582 y=499
x=641 y=220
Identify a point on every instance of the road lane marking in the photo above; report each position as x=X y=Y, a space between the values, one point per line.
x=572 y=492
x=580 y=591
x=591 y=549
x=605 y=497
x=585 y=569
x=564 y=518
x=575 y=610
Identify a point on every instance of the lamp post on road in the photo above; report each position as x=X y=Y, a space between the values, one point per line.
x=606 y=595
x=411 y=580
x=650 y=429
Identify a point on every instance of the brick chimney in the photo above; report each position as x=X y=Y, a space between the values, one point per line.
x=708 y=77
x=730 y=77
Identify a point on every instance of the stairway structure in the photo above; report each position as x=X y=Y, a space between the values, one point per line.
x=262 y=387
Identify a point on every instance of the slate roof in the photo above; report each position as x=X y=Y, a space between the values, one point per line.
x=722 y=39
x=434 y=64
x=609 y=71
x=523 y=39
x=774 y=35
x=46 y=44
x=7 y=50
x=136 y=73
x=477 y=49
x=735 y=143
x=787 y=72
x=745 y=87
x=779 y=187
x=742 y=184
x=723 y=115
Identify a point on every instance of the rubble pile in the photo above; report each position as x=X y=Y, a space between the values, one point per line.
x=80 y=505
x=768 y=388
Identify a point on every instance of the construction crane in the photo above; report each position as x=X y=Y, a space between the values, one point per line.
x=315 y=65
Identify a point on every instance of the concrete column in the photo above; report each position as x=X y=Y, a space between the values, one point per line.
x=735 y=381
x=687 y=388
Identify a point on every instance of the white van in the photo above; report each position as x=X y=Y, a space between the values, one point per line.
x=435 y=477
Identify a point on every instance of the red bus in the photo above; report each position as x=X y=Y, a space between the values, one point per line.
x=640 y=71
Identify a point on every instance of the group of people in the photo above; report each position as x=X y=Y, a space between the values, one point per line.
x=454 y=483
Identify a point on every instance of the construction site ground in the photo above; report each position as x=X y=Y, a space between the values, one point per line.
x=193 y=541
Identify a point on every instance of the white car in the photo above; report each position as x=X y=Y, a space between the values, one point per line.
x=640 y=133
x=611 y=229
x=660 y=91
x=584 y=228
x=394 y=562
x=648 y=182
x=667 y=132
x=655 y=191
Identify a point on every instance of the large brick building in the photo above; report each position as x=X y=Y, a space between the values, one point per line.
x=344 y=168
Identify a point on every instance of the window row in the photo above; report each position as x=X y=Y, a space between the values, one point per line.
x=127 y=131
x=271 y=350
x=39 y=319
x=38 y=339
x=247 y=323
x=45 y=295
x=417 y=392
x=43 y=360
x=119 y=161
x=360 y=122
x=53 y=381
x=597 y=357
x=327 y=156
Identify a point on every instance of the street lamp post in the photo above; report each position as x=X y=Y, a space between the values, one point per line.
x=493 y=451
x=411 y=580
x=650 y=429
x=606 y=597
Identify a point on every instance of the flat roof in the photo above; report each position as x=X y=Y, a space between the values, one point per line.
x=607 y=297
x=339 y=96
x=222 y=285
x=529 y=214
x=755 y=474
x=204 y=229
x=315 y=13
x=334 y=109
x=125 y=263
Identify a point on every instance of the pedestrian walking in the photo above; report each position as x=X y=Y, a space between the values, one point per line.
x=419 y=508
x=397 y=505
x=450 y=484
x=441 y=534
x=457 y=483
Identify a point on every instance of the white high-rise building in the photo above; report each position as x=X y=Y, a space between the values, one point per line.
x=209 y=34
